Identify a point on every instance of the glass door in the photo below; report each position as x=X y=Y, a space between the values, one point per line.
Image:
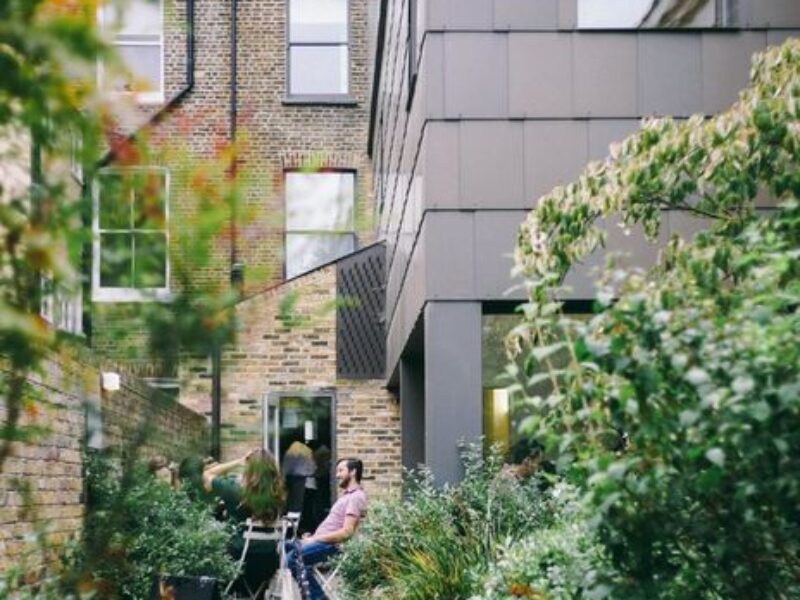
x=298 y=430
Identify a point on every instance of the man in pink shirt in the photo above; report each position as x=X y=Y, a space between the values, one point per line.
x=338 y=526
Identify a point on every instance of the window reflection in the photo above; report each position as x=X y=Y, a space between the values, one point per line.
x=503 y=412
x=320 y=219
x=319 y=52
x=634 y=14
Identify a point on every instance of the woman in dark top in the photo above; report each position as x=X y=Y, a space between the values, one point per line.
x=258 y=494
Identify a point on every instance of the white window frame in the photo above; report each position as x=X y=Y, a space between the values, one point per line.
x=62 y=307
x=143 y=97
x=331 y=97
x=129 y=294
x=312 y=232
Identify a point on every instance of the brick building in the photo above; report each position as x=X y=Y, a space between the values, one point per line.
x=289 y=83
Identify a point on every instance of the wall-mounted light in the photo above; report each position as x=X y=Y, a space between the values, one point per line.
x=109 y=381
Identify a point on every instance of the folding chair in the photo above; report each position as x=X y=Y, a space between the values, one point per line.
x=325 y=575
x=251 y=534
x=283 y=586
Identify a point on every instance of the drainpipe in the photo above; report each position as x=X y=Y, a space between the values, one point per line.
x=234 y=115
x=216 y=398
x=236 y=271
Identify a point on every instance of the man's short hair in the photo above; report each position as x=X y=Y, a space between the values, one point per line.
x=353 y=464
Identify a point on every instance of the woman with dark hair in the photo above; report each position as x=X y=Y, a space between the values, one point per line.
x=257 y=494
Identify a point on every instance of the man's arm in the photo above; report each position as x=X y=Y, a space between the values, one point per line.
x=338 y=536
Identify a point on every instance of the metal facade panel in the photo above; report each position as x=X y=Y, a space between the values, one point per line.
x=459 y=14
x=475 y=75
x=540 y=74
x=360 y=336
x=555 y=153
x=491 y=164
x=775 y=38
x=450 y=255
x=441 y=151
x=432 y=73
x=605 y=71
x=774 y=13
x=726 y=66
x=670 y=75
x=685 y=225
x=603 y=133
x=521 y=14
x=567 y=14
x=453 y=399
x=412 y=412
x=628 y=245
x=495 y=239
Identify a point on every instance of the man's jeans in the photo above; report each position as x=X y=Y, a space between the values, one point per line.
x=313 y=553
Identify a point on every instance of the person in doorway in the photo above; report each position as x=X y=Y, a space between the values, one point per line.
x=339 y=526
x=298 y=470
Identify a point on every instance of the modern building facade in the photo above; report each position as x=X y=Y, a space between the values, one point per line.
x=479 y=108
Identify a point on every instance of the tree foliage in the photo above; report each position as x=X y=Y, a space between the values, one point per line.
x=679 y=412
x=48 y=53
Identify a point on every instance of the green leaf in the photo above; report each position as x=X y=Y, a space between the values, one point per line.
x=716 y=456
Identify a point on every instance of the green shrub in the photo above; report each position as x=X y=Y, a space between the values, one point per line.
x=137 y=527
x=439 y=542
x=558 y=562
x=678 y=414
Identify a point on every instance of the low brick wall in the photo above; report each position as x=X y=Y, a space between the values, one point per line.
x=41 y=485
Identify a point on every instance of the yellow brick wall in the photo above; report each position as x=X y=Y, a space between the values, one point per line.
x=269 y=356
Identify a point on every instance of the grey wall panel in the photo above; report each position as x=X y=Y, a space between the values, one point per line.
x=404 y=308
x=605 y=132
x=605 y=75
x=567 y=14
x=726 y=66
x=670 y=76
x=776 y=38
x=685 y=225
x=521 y=14
x=475 y=74
x=774 y=13
x=495 y=239
x=491 y=174
x=450 y=254
x=764 y=199
x=555 y=154
x=441 y=164
x=630 y=248
x=459 y=14
x=540 y=74
x=412 y=412
x=453 y=402
x=431 y=71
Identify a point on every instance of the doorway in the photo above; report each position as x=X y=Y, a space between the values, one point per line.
x=299 y=430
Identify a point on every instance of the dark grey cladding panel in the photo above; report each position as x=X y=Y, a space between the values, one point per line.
x=360 y=339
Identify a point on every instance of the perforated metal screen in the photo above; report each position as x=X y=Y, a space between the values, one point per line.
x=361 y=342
